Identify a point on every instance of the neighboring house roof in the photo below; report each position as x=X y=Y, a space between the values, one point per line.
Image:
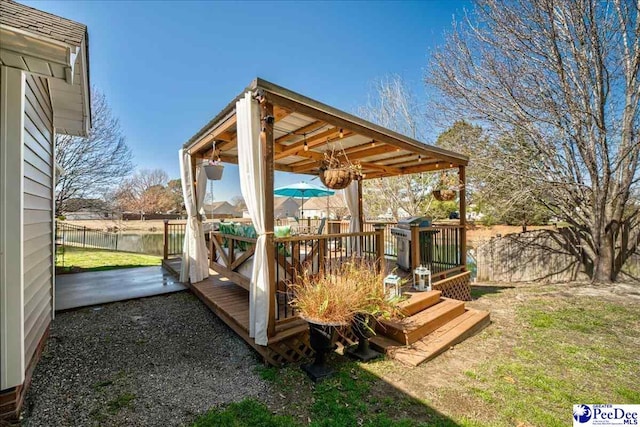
x=278 y=202
x=53 y=47
x=320 y=203
x=222 y=207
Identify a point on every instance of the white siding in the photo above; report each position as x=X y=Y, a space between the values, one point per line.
x=38 y=224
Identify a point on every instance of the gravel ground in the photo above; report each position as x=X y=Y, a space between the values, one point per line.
x=148 y=362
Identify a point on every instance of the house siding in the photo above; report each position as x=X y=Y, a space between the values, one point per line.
x=38 y=222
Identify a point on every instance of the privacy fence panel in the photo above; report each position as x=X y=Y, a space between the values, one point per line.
x=536 y=255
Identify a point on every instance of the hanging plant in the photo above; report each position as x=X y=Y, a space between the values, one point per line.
x=336 y=174
x=447 y=187
x=214 y=168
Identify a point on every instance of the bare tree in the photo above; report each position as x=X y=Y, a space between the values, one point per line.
x=145 y=192
x=93 y=165
x=564 y=77
x=500 y=200
x=174 y=187
x=393 y=105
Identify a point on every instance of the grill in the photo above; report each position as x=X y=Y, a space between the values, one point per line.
x=403 y=235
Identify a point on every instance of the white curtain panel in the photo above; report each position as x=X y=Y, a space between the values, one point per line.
x=251 y=168
x=350 y=195
x=194 y=266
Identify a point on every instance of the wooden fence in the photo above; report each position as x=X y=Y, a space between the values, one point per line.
x=540 y=255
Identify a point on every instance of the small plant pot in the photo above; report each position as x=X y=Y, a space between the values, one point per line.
x=362 y=327
x=214 y=172
x=322 y=338
x=444 y=195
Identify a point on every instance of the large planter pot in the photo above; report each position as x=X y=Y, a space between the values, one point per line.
x=322 y=338
x=214 y=172
x=363 y=328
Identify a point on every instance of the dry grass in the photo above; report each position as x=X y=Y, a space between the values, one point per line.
x=336 y=296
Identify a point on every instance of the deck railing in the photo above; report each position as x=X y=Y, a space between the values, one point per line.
x=314 y=254
x=173 y=239
x=229 y=253
x=439 y=248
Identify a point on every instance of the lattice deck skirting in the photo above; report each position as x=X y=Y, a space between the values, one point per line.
x=296 y=348
x=456 y=287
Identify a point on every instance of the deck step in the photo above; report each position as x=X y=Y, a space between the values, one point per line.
x=419 y=301
x=462 y=327
x=410 y=329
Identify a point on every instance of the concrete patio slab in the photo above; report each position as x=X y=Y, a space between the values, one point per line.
x=100 y=287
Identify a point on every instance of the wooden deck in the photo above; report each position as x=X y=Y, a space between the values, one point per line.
x=230 y=303
x=432 y=323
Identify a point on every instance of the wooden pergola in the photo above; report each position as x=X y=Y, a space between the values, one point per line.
x=297 y=131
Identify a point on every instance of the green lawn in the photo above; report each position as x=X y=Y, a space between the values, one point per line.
x=577 y=350
x=546 y=350
x=354 y=397
x=72 y=259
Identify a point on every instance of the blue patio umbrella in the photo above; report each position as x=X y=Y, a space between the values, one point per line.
x=302 y=190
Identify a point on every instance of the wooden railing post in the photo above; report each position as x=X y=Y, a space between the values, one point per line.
x=415 y=246
x=212 y=248
x=322 y=253
x=165 y=243
x=379 y=229
x=462 y=176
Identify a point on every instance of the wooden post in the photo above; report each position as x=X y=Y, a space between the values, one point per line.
x=232 y=251
x=361 y=213
x=463 y=216
x=379 y=228
x=165 y=245
x=322 y=251
x=267 y=141
x=415 y=246
x=360 y=216
x=212 y=248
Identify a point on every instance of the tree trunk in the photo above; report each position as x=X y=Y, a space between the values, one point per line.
x=603 y=271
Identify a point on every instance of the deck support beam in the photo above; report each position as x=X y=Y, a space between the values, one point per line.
x=267 y=141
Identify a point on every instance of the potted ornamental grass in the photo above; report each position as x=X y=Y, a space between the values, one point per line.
x=328 y=302
x=373 y=305
x=351 y=295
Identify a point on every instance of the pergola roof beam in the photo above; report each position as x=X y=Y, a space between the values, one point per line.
x=318 y=139
x=298 y=132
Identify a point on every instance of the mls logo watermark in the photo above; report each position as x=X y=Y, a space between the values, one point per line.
x=605 y=415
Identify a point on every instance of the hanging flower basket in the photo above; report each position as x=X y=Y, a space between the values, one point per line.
x=337 y=178
x=337 y=175
x=447 y=187
x=444 y=195
x=214 y=171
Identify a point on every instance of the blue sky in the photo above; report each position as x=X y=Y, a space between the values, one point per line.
x=168 y=67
